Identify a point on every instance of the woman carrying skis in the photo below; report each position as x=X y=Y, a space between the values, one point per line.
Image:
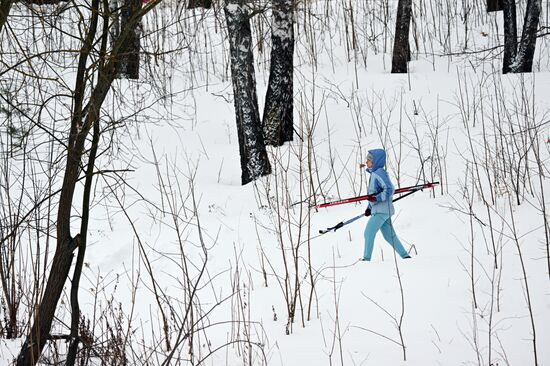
x=380 y=205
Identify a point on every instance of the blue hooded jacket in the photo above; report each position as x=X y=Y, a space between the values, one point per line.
x=380 y=184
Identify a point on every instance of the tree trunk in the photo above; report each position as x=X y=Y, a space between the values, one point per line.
x=254 y=160
x=278 y=111
x=8 y=281
x=62 y=260
x=495 y=5
x=129 y=62
x=192 y=4
x=40 y=331
x=526 y=50
x=114 y=19
x=401 y=47
x=5 y=6
x=510 y=35
x=43 y=2
x=81 y=241
x=82 y=120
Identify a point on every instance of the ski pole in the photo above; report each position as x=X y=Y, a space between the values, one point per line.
x=340 y=224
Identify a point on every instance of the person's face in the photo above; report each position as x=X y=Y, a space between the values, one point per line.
x=369 y=164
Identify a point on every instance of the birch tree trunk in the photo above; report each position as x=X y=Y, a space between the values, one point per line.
x=129 y=62
x=278 y=112
x=401 y=47
x=510 y=34
x=254 y=160
x=526 y=50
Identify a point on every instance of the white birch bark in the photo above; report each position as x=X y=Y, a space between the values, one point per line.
x=278 y=113
x=254 y=160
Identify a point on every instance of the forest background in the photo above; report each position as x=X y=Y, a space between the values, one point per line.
x=161 y=162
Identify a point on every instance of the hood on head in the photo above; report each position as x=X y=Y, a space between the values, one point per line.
x=378 y=159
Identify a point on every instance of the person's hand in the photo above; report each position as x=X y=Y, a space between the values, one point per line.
x=362 y=165
x=371 y=198
x=367 y=211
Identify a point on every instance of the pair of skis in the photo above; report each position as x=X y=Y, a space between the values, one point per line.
x=418 y=187
x=407 y=190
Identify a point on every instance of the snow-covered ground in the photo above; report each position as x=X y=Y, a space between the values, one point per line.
x=448 y=305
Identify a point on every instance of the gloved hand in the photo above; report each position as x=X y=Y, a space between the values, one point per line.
x=371 y=198
x=367 y=211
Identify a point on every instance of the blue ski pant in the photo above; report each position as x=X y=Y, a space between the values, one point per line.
x=383 y=223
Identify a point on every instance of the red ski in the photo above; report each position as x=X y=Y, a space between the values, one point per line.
x=364 y=197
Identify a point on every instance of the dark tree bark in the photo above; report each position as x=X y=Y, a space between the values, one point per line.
x=401 y=46
x=192 y=4
x=5 y=6
x=62 y=260
x=510 y=35
x=254 y=159
x=40 y=331
x=82 y=120
x=11 y=330
x=526 y=49
x=129 y=61
x=81 y=241
x=114 y=15
x=82 y=237
x=43 y=2
x=278 y=111
x=495 y=5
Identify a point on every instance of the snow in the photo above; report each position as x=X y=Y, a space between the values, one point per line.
x=356 y=306
x=233 y=8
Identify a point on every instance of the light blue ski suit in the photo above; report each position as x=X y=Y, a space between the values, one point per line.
x=381 y=211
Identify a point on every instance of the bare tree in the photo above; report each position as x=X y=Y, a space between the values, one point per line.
x=254 y=159
x=278 y=111
x=84 y=116
x=401 y=46
x=75 y=283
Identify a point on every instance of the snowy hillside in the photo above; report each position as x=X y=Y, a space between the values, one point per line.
x=186 y=266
